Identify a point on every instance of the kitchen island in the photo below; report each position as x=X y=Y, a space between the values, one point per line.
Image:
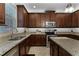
x=64 y=46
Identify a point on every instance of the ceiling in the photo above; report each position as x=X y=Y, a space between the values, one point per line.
x=42 y=7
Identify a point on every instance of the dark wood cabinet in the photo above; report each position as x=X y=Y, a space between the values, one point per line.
x=37 y=40
x=24 y=47
x=2 y=13
x=38 y=20
x=53 y=49
x=22 y=16
x=63 y=20
x=34 y=20
x=26 y=20
x=42 y=19
x=75 y=19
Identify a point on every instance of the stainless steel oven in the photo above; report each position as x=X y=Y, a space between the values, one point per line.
x=50 y=33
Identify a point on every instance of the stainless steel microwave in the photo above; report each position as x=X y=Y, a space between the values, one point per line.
x=50 y=24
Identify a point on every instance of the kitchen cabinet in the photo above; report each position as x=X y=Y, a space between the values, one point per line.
x=52 y=16
x=39 y=19
x=56 y=50
x=53 y=49
x=22 y=16
x=34 y=20
x=63 y=20
x=2 y=13
x=26 y=20
x=75 y=19
x=43 y=19
x=24 y=47
x=37 y=40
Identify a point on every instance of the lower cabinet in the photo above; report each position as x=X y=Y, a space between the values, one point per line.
x=24 y=48
x=53 y=49
x=33 y=40
x=56 y=50
x=37 y=40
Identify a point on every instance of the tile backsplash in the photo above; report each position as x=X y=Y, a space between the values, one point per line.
x=75 y=29
x=58 y=29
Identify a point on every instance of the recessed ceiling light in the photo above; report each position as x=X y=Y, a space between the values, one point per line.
x=34 y=6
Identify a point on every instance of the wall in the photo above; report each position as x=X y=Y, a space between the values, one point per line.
x=10 y=21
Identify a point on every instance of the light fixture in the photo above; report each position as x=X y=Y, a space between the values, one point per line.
x=34 y=6
x=69 y=8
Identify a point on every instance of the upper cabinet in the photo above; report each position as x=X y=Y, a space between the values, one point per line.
x=75 y=19
x=34 y=20
x=22 y=16
x=63 y=20
x=2 y=13
x=38 y=20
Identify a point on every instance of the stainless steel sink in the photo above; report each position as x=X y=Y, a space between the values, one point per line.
x=16 y=38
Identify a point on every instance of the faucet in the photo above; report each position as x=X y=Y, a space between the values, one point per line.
x=13 y=33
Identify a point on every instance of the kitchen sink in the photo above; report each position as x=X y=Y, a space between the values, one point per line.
x=16 y=38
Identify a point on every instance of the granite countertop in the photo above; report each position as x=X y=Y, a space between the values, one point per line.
x=6 y=46
x=70 y=45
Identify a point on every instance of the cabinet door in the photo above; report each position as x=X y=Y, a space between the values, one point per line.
x=53 y=16
x=26 y=20
x=21 y=19
x=53 y=49
x=32 y=40
x=59 y=20
x=22 y=48
x=37 y=40
x=43 y=19
x=63 y=20
x=2 y=13
x=40 y=40
x=38 y=21
x=75 y=19
x=34 y=20
x=67 y=20
x=78 y=17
